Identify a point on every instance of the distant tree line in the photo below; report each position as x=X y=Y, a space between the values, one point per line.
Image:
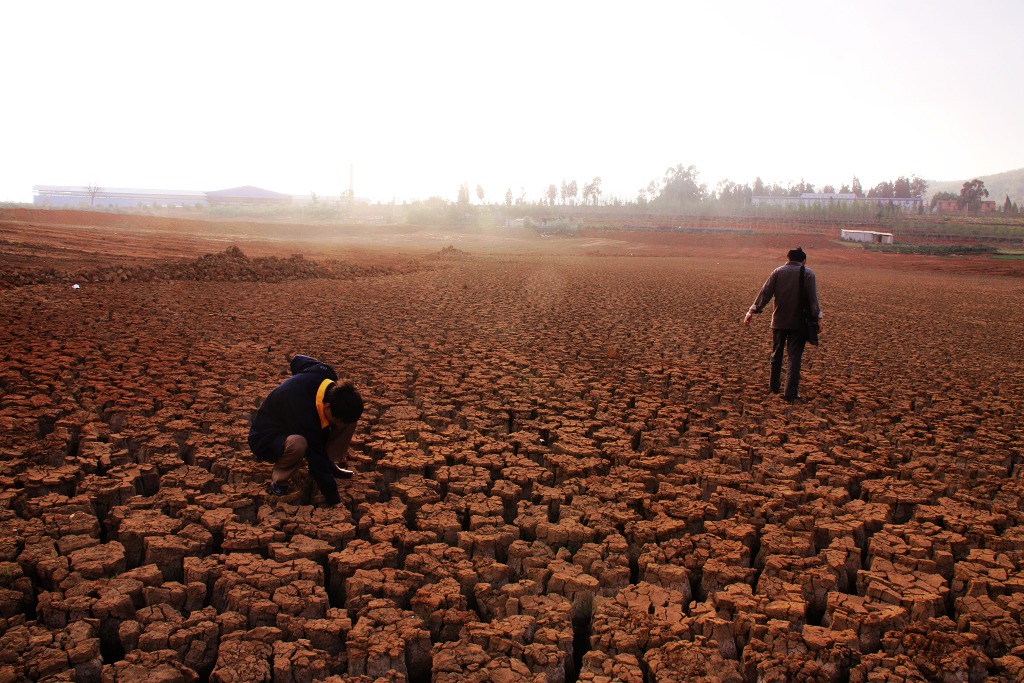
x=681 y=188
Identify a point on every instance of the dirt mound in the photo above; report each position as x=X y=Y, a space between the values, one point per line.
x=450 y=253
x=231 y=265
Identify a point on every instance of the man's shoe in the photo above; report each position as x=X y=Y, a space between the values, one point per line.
x=791 y=399
x=281 y=489
x=341 y=472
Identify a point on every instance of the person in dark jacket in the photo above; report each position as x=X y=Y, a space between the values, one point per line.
x=311 y=416
x=787 y=320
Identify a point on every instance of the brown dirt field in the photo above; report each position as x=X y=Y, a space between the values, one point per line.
x=569 y=467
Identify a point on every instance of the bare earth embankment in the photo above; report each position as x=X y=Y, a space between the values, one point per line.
x=569 y=467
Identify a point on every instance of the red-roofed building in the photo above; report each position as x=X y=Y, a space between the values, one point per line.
x=950 y=206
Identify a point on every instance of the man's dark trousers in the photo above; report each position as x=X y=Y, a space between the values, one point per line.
x=792 y=343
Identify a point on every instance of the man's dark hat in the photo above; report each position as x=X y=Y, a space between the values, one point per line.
x=797 y=254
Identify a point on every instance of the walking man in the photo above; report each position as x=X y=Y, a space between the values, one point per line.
x=796 y=300
x=310 y=416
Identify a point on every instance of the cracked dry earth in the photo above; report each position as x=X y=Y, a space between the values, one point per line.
x=569 y=470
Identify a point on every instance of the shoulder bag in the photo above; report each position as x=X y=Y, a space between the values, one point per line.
x=809 y=324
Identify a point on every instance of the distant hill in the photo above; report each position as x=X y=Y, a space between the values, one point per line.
x=998 y=185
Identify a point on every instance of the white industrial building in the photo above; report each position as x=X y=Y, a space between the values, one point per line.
x=93 y=196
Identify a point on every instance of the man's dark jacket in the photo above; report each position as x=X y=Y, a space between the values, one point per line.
x=784 y=285
x=291 y=408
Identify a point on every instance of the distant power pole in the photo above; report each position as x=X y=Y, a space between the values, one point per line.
x=351 y=185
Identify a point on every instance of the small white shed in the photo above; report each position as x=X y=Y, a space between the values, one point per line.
x=869 y=236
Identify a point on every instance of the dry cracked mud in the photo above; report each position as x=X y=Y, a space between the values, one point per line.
x=569 y=470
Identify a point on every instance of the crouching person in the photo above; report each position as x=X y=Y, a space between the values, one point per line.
x=310 y=416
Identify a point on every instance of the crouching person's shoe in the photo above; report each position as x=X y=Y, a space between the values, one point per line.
x=281 y=489
x=341 y=472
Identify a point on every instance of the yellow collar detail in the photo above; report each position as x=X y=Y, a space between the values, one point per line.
x=321 y=409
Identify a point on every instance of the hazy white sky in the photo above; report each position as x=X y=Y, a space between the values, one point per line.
x=420 y=97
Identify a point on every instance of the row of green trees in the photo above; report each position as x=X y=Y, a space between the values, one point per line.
x=567 y=194
x=681 y=186
x=681 y=189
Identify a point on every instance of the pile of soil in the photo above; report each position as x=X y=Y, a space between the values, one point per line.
x=231 y=265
